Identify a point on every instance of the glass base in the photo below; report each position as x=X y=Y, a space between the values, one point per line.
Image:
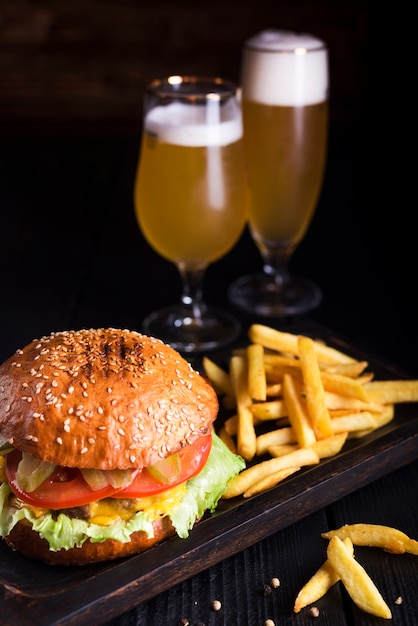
x=259 y=294
x=175 y=326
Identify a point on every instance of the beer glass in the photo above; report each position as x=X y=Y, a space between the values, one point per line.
x=285 y=115
x=191 y=198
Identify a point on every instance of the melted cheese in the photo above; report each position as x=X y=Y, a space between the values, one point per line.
x=105 y=512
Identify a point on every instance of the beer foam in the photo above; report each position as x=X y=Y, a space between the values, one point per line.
x=193 y=125
x=285 y=68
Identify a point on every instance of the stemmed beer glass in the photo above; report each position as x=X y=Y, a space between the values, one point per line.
x=191 y=198
x=285 y=114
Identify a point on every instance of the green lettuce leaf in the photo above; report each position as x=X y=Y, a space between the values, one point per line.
x=203 y=493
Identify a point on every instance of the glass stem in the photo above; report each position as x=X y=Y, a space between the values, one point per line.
x=276 y=265
x=192 y=294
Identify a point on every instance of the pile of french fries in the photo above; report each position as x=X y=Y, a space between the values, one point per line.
x=295 y=400
x=342 y=565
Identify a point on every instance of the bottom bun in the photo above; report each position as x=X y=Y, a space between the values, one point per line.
x=28 y=542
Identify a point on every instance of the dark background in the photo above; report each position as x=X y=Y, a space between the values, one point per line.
x=71 y=82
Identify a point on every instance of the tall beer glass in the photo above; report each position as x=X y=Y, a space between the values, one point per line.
x=285 y=112
x=191 y=198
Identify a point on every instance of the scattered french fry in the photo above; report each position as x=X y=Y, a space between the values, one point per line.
x=358 y=583
x=317 y=586
x=386 y=537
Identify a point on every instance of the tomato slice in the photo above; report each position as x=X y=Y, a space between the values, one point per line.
x=66 y=487
x=192 y=460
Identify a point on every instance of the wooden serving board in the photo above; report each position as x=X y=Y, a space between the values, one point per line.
x=99 y=592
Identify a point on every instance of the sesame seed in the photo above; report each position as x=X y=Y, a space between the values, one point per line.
x=83 y=450
x=59 y=441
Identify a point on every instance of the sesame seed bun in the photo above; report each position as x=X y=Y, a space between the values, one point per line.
x=103 y=399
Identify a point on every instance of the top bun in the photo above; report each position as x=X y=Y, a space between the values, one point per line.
x=104 y=399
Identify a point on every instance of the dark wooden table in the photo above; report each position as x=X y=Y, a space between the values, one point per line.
x=72 y=256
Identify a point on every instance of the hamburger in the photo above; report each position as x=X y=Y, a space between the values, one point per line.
x=107 y=446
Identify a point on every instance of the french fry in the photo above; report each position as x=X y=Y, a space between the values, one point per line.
x=256 y=373
x=228 y=440
x=352 y=369
x=358 y=583
x=248 y=477
x=330 y=446
x=314 y=389
x=337 y=401
x=287 y=342
x=231 y=425
x=269 y=481
x=219 y=378
x=274 y=390
x=280 y=436
x=365 y=378
x=344 y=385
x=380 y=420
x=283 y=448
x=356 y=421
x=317 y=586
x=272 y=359
x=392 y=391
x=246 y=437
x=275 y=373
x=265 y=411
x=298 y=414
x=376 y=535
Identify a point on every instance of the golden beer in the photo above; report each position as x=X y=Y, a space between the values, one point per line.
x=285 y=149
x=285 y=117
x=190 y=197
